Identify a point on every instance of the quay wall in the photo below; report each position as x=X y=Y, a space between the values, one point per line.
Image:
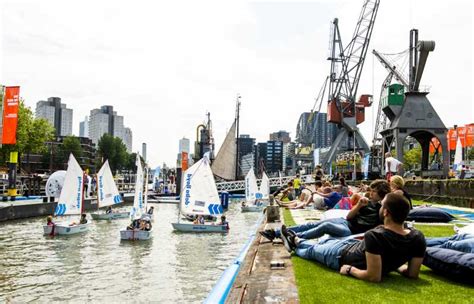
x=450 y=192
x=22 y=209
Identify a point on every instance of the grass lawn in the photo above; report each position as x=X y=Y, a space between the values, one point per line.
x=319 y=284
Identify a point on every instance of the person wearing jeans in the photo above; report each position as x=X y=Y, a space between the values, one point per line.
x=327 y=251
x=461 y=242
x=384 y=249
x=362 y=217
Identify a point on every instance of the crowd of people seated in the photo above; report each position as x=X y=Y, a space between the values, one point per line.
x=370 y=241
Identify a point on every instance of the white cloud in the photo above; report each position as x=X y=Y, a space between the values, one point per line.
x=164 y=64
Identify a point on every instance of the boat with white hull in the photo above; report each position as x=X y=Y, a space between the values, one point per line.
x=65 y=229
x=135 y=235
x=108 y=195
x=199 y=197
x=190 y=227
x=256 y=198
x=138 y=210
x=71 y=201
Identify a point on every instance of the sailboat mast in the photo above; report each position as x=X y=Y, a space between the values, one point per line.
x=237 y=117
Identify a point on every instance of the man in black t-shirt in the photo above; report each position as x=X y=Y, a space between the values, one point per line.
x=386 y=248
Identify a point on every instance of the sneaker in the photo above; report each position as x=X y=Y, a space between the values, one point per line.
x=269 y=234
x=287 y=239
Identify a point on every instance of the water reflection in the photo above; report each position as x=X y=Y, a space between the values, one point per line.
x=97 y=266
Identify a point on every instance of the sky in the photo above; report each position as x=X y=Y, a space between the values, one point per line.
x=164 y=64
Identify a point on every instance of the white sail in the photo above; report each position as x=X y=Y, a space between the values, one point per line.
x=107 y=192
x=138 y=205
x=457 y=165
x=265 y=186
x=199 y=192
x=225 y=163
x=251 y=187
x=71 y=197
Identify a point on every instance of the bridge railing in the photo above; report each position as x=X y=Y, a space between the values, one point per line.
x=274 y=182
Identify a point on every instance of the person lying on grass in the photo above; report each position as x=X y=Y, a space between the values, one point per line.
x=384 y=249
x=362 y=217
x=303 y=200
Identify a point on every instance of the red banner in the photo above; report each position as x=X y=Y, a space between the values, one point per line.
x=452 y=136
x=184 y=161
x=11 y=101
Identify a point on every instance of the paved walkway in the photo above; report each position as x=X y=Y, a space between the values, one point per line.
x=257 y=282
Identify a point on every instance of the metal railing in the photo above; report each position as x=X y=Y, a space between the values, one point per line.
x=274 y=182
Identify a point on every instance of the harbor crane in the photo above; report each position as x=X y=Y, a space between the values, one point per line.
x=346 y=68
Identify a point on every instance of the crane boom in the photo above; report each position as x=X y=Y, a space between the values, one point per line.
x=345 y=73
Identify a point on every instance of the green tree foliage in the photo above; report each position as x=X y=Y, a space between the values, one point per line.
x=113 y=149
x=71 y=144
x=412 y=158
x=32 y=134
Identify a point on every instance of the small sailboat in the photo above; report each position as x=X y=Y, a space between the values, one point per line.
x=71 y=201
x=107 y=195
x=138 y=211
x=256 y=197
x=199 y=196
x=458 y=162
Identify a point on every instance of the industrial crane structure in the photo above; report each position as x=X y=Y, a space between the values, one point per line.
x=410 y=112
x=346 y=68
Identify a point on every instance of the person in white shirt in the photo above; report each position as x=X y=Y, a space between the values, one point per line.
x=392 y=165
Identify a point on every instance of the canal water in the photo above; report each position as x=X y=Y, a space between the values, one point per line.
x=97 y=267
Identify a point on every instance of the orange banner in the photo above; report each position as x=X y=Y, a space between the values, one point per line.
x=470 y=135
x=184 y=161
x=462 y=135
x=452 y=136
x=11 y=101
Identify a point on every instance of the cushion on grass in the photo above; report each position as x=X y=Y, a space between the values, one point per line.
x=429 y=214
x=453 y=264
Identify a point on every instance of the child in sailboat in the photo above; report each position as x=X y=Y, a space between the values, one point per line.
x=199 y=220
x=50 y=221
x=82 y=221
x=224 y=222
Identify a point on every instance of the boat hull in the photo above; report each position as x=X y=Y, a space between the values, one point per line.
x=110 y=216
x=253 y=208
x=61 y=229
x=184 y=227
x=135 y=235
x=164 y=201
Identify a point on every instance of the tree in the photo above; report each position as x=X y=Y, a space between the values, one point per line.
x=71 y=144
x=412 y=158
x=31 y=135
x=113 y=149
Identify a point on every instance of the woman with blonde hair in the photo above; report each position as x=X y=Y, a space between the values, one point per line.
x=397 y=184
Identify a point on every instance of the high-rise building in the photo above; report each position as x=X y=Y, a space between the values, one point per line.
x=105 y=120
x=246 y=147
x=281 y=136
x=128 y=139
x=246 y=163
x=260 y=156
x=314 y=129
x=274 y=157
x=84 y=127
x=57 y=114
x=144 y=151
x=184 y=145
